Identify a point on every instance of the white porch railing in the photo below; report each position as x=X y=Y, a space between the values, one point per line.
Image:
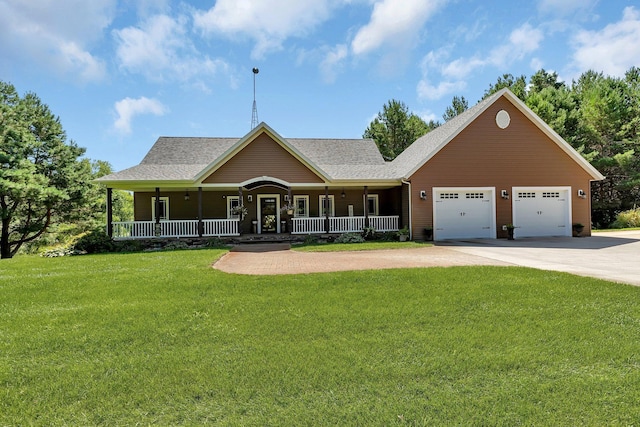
x=230 y=227
x=384 y=223
x=174 y=228
x=344 y=224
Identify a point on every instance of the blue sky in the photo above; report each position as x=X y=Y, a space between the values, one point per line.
x=120 y=73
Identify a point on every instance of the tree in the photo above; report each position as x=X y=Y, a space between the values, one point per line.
x=394 y=129
x=42 y=179
x=608 y=135
x=458 y=105
x=121 y=201
x=543 y=79
x=516 y=85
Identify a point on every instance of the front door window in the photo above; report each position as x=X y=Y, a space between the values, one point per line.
x=268 y=211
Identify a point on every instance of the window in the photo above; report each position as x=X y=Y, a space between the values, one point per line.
x=164 y=208
x=448 y=195
x=232 y=202
x=301 y=206
x=326 y=205
x=474 y=195
x=526 y=195
x=372 y=204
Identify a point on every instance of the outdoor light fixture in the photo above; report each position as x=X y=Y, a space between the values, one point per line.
x=343 y=195
x=186 y=195
x=582 y=194
x=504 y=194
x=423 y=195
x=249 y=198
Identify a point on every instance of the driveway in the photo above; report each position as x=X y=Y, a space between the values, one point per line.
x=612 y=256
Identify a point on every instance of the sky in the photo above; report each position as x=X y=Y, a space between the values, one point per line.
x=121 y=73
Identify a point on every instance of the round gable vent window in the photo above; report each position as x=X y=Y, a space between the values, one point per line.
x=503 y=119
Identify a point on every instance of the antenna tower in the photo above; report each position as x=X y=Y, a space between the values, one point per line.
x=254 y=113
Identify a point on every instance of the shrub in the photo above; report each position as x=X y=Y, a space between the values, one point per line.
x=128 y=246
x=58 y=251
x=215 y=242
x=175 y=245
x=310 y=239
x=369 y=233
x=349 y=238
x=387 y=236
x=96 y=241
x=627 y=219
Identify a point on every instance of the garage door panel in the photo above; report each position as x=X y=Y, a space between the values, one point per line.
x=464 y=213
x=543 y=211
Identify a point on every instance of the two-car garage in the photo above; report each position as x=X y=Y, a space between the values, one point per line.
x=470 y=213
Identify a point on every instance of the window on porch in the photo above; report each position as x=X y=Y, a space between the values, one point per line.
x=372 y=205
x=301 y=206
x=164 y=208
x=232 y=202
x=326 y=205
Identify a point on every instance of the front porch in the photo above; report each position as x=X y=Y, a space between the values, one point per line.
x=231 y=227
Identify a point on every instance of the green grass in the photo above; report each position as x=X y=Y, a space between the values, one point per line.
x=602 y=230
x=161 y=338
x=366 y=246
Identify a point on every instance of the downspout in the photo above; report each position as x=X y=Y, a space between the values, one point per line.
x=410 y=222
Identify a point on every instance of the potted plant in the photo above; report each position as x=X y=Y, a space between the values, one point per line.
x=577 y=229
x=428 y=233
x=403 y=234
x=510 y=228
x=240 y=210
x=288 y=208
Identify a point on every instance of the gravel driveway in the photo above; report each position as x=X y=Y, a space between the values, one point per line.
x=612 y=256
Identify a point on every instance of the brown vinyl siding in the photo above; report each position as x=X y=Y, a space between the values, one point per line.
x=483 y=155
x=263 y=157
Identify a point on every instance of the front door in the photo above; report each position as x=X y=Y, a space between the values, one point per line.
x=268 y=215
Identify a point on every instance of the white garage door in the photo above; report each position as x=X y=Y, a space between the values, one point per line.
x=542 y=211
x=464 y=213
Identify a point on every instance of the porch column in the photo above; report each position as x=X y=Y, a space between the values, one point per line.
x=366 y=206
x=158 y=228
x=200 y=223
x=109 y=212
x=240 y=203
x=325 y=206
x=157 y=218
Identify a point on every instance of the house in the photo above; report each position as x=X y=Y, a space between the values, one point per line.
x=495 y=164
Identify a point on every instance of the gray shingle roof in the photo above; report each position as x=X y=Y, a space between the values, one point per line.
x=182 y=159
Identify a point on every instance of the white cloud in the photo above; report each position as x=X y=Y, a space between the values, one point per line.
x=429 y=91
x=128 y=108
x=522 y=41
x=565 y=7
x=395 y=22
x=56 y=35
x=160 y=49
x=268 y=22
x=612 y=50
x=332 y=62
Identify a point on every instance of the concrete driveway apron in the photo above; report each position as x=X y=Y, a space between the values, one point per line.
x=612 y=256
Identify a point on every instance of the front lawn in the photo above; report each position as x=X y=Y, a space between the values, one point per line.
x=161 y=338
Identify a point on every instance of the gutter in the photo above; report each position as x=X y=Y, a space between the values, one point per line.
x=410 y=221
